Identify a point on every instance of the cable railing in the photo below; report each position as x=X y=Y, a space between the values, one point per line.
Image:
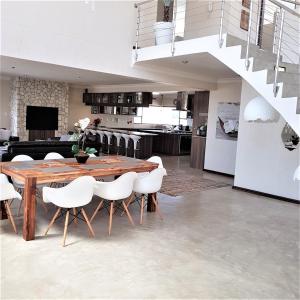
x=267 y=25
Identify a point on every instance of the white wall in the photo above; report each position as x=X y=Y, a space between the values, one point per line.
x=220 y=154
x=70 y=33
x=262 y=162
x=5 y=93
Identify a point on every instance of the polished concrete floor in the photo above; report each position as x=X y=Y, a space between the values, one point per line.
x=217 y=244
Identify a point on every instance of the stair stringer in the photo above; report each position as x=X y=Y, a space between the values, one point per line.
x=230 y=56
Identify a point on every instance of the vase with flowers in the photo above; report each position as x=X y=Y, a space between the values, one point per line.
x=96 y=122
x=81 y=153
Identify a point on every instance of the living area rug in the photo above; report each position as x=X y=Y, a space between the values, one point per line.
x=178 y=182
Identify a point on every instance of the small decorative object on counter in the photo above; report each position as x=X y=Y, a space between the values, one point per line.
x=80 y=152
x=96 y=122
x=201 y=130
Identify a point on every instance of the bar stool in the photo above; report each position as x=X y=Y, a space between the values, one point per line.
x=126 y=137
x=135 y=139
x=108 y=135
x=101 y=134
x=118 y=137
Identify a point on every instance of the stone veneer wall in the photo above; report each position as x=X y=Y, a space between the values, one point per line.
x=35 y=92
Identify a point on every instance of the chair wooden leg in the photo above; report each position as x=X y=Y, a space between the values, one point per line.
x=20 y=206
x=53 y=220
x=156 y=205
x=130 y=199
x=75 y=216
x=10 y=217
x=66 y=227
x=88 y=222
x=45 y=207
x=96 y=211
x=128 y=214
x=142 y=209
x=110 y=216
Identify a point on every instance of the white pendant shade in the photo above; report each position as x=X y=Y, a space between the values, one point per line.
x=259 y=110
x=297 y=174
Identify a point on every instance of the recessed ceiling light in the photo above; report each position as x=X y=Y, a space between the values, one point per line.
x=185 y=62
x=13 y=67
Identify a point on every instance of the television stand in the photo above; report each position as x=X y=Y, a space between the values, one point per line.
x=41 y=135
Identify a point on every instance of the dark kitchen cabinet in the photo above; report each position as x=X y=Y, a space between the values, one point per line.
x=132 y=99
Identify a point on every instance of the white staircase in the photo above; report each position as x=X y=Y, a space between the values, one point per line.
x=260 y=76
x=268 y=72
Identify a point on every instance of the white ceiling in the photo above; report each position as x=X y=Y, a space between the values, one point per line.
x=10 y=66
x=198 y=64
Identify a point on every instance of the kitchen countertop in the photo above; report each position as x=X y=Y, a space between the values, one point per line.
x=160 y=131
x=140 y=133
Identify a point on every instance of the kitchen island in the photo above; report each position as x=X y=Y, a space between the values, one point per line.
x=171 y=142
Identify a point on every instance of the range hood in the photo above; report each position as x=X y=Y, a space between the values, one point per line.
x=181 y=101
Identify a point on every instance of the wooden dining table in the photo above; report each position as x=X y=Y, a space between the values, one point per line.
x=60 y=170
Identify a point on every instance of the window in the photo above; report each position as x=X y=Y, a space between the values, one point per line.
x=160 y=115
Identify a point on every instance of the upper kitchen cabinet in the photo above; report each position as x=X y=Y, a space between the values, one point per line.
x=133 y=99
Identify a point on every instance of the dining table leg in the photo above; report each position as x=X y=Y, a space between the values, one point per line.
x=150 y=203
x=29 y=209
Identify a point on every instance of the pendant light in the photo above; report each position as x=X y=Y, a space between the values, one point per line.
x=259 y=110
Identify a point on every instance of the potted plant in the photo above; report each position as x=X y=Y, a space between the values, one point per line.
x=80 y=152
x=96 y=122
x=164 y=30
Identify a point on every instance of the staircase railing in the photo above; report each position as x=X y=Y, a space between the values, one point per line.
x=284 y=34
x=266 y=25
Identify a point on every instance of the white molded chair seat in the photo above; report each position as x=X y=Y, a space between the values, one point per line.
x=149 y=184
x=119 y=189
x=7 y=192
x=76 y=194
x=53 y=155
x=19 y=184
x=154 y=159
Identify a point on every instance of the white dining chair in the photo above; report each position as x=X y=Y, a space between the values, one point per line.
x=19 y=185
x=8 y=192
x=153 y=159
x=156 y=159
x=53 y=155
x=117 y=190
x=149 y=184
x=75 y=195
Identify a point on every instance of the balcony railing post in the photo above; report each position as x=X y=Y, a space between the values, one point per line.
x=247 y=62
x=275 y=31
x=257 y=41
x=174 y=27
x=221 y=24
x=137 y=30
x=275 y=86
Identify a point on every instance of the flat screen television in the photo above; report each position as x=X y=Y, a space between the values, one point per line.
x=42 y=118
